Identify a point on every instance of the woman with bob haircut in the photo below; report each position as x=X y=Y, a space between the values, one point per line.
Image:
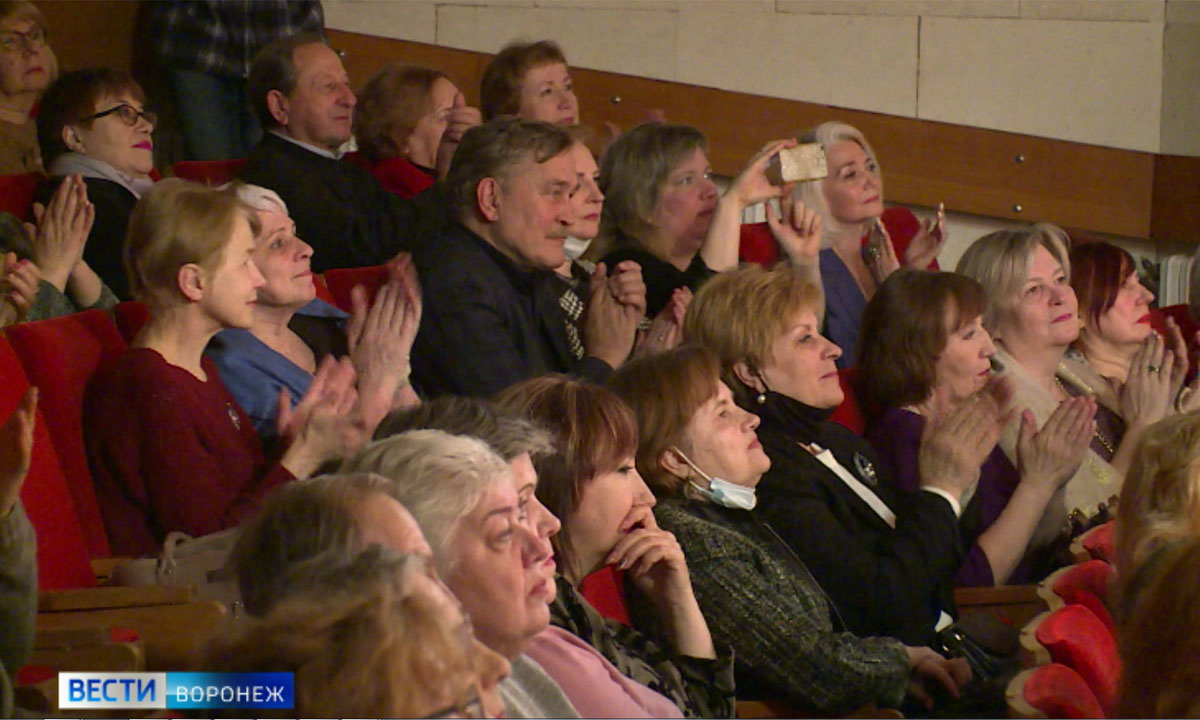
x=407 y=122
x=663 y=211
x=168 y=446
x=699 y=454
x=1115 y=318
x=94 y=123
x=591 y=483
x=1032 y=315
x=374 y=635
x=826 y=494
x=27 y=66
x=529 y=80
x=924 y=347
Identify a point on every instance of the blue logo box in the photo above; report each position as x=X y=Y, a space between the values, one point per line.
x=175 y=690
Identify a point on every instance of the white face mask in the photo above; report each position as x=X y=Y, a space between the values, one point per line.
x=722 y=492
x=573 y=247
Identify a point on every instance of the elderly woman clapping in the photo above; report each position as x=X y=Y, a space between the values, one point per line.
x=292 y=330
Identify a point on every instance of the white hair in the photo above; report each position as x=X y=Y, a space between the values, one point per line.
x=811 y=193
x=261 y=198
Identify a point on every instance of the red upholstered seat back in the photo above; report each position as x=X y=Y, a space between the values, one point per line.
x=341 y=281
x=1091 y=576
x=62 y=553
x=1075 y=637
x=323 y=289
x=1101 y=542
x=59 y=357
x=130 y=316
x=209 y=172
x=1059 y=692
x=855 y=413
x=17 y=191
x=605 y=590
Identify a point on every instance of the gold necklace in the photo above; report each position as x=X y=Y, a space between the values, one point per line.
x=1104 y=441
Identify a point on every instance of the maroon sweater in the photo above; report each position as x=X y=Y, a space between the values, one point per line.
x=169 y=452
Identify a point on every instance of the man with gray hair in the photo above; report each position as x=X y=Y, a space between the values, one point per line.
x=492 y=313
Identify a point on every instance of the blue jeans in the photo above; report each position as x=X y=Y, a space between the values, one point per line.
x=214 y=115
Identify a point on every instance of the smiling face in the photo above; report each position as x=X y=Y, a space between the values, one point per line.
x=853 y=188
x=128 y=148
x=1045 y=313
x=284 y=261
x=686 y=203
x=802 y=364
x=609 y=505
x=586 y=201
x=1127 y=322
x=421 y=145
x=538 y=520
x=548 y=94
x=964 y=364
x=721 y=441
x=532 y=211
x=493 y=550
x=23 y=68
x=320 y=109
x=232 y=288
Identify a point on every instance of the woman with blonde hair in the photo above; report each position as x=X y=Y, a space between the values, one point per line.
x=375 y=635
x=27 y=66
x=168 y=446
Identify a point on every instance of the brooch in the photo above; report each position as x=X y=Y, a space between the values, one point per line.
x=865 y=469
x=233 y=416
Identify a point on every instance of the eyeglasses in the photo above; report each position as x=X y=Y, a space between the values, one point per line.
x=128 y=114
x=472 y=707
x=15 y=40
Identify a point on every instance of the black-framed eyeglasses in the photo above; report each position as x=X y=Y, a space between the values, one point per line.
x=128 y=114
x=472 y=707
x=14 y=40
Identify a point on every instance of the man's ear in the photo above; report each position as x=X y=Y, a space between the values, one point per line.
x=673 y=463
x=72 y=139
x=192 y=282
x=749 y=376
x=279 y=106
x=488 y=197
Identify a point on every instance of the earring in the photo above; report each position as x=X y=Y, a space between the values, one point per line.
x=761 y=399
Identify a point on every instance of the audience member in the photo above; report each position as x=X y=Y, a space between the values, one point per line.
x=1159 y=649
x=531 y=81
x=465 y=499
x=825 y=492
x=18 y=548
x=408 y=123
x=301 y=95
x=168 y=446
x=663 y=211
x=292 y=330
x=1115 y=319
x=699 y=454
x=863 y=243
x=93 y=123
x=20 y=278
x=1032 y=314
x=27 y=66
x=924 y=349
x=590 y=482
x=374 y=635
x=492 y=300
x=206 y=47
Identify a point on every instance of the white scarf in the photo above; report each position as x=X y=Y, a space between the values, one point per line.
x=71 y=163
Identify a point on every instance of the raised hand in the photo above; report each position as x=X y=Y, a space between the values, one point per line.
x=1147 y=394
x=923 y=249
x=751 y=186
x=798 y=232
x=666 y=330
x=1050 y=456
x=609 y=323
x=880 y=253
x=19 y=286
x=61 y=231
x=326 y=424
x=955 y=442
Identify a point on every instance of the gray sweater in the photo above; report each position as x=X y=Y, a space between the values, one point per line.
x=528 y=692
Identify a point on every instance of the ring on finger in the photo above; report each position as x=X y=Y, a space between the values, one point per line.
x=1153 y=368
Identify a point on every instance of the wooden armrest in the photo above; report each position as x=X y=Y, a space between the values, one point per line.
x=108 y=657
x=49 y=638
x=1013 y=604
x=98 y=598
x=103 y=567
x=170 y=634
x=1033 y=653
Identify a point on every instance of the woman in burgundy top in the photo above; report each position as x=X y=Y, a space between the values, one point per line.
x=169 y=448
x=924 y=349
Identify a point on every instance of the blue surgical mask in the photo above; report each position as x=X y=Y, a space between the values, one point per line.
x=722 y=492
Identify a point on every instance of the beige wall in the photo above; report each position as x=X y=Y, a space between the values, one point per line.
x=1120 y=73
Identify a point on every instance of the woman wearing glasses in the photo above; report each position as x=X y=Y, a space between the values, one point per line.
x=26 y=67
x=92 y=122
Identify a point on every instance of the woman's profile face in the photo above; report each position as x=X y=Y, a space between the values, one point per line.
x=24 y=57
x=964 y=364
x=586 y=201
x=285 y=262
x=686 y=203
x=1127 y=322
x=111 y=139
x=493 y=550
x=548 y=95
x=1045 y=313
x=421 y=145
x=802 y=364
x=610 y=505
x=853 y=189
x=721 y=441
x=232 y=288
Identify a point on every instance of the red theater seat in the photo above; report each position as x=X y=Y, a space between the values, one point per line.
x=209 y=172
x=130 y=316
x=604 y=589
x=341 y=281
x=16 y=193
x=1075 y=637
x=1084 y=584
x=59 y=357
x=1051 y=691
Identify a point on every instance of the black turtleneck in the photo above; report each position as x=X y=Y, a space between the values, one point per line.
x=884 y=581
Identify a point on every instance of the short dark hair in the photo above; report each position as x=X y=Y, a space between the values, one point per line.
x=75 y=95
x=593 y=432
x=905 y=328
x=508 y=434
x=500 y=88
x=493 y=149
x=274 y=68
x=1098 y=270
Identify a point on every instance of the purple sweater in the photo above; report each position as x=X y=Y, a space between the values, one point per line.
x=896 y=436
